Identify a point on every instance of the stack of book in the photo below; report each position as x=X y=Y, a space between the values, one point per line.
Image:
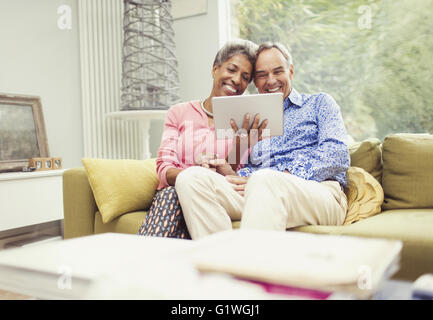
x=310 y=265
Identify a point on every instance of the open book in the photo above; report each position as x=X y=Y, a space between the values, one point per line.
x=325 y=262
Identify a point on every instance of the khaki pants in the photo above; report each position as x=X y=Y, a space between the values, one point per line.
x=273 y=200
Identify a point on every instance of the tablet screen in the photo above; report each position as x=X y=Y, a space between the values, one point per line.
x=268 y=105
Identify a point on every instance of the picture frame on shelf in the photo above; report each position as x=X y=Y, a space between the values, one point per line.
x=41 y=164
x=49 y=164
x=22 y=131
x=57 y=163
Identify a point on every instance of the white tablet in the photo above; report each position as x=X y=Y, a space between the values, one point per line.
x=269 y=105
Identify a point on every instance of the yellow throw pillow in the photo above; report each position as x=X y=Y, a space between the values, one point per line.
x=121 y=186
x=364 y=195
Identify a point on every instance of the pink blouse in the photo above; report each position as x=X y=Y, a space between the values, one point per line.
x=187 y=136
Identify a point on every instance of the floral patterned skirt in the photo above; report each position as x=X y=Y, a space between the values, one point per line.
x=165 y=217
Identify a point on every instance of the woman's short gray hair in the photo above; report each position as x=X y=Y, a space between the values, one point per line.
x=233 y=47
x=277 y=45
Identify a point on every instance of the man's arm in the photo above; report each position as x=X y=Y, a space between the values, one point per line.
x=332 y=154
x=246 y=171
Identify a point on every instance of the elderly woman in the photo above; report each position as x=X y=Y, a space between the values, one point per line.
x=189 y=133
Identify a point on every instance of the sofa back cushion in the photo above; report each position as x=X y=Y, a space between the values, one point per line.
x=408 y=171
x=121 y=186
x=368 y=156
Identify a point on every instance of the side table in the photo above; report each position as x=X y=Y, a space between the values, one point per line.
x=30 y=198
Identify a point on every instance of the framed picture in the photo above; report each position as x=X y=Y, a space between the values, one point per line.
x=22 y=131
x=57 y=163
x=48 y=164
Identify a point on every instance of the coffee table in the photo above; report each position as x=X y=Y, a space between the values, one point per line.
x=120 y=266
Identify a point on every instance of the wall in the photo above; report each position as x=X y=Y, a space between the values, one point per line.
x=197 y=42
x=37 y=58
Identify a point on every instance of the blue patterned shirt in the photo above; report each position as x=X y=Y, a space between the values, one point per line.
x=313 y=146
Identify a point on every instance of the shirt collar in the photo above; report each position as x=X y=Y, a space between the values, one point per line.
x=294 y=99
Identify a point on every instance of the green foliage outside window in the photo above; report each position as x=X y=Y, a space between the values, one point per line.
x=374 y=57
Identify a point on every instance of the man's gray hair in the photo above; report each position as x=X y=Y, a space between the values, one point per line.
x=277 y=45
x=233 y=47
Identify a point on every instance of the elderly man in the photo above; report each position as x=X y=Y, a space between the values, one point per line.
x=290 y=180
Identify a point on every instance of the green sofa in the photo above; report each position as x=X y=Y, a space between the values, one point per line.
x=403 y=164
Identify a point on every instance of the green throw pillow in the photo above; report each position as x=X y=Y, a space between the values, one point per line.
x=368 y=156
x=408 y=171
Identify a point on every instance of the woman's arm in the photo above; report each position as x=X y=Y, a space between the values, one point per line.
x=171 y=175
x=167 y=153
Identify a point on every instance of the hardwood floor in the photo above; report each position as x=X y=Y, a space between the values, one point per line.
x=6 y=295
x=27 y=236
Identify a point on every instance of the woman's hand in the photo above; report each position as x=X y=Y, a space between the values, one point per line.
x=251 y=135
x=214 y=163
x=221 y=166
x=245 y=137
x=203 y=160
x=171 y=175
x=238 y=183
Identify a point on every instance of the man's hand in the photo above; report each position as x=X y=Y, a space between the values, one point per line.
x=238 y=183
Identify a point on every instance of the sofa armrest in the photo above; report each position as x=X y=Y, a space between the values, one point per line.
x=78 y=204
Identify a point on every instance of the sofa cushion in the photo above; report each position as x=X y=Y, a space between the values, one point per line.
x=368 y=156
x=121 y=186
x=412 y=226
x=126 y=223
x=408 y=171
x=364 y=195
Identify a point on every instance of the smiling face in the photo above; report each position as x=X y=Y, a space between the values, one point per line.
x=272 y=73
x=232 y=77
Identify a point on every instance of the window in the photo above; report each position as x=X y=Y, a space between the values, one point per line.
x=375 y=57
